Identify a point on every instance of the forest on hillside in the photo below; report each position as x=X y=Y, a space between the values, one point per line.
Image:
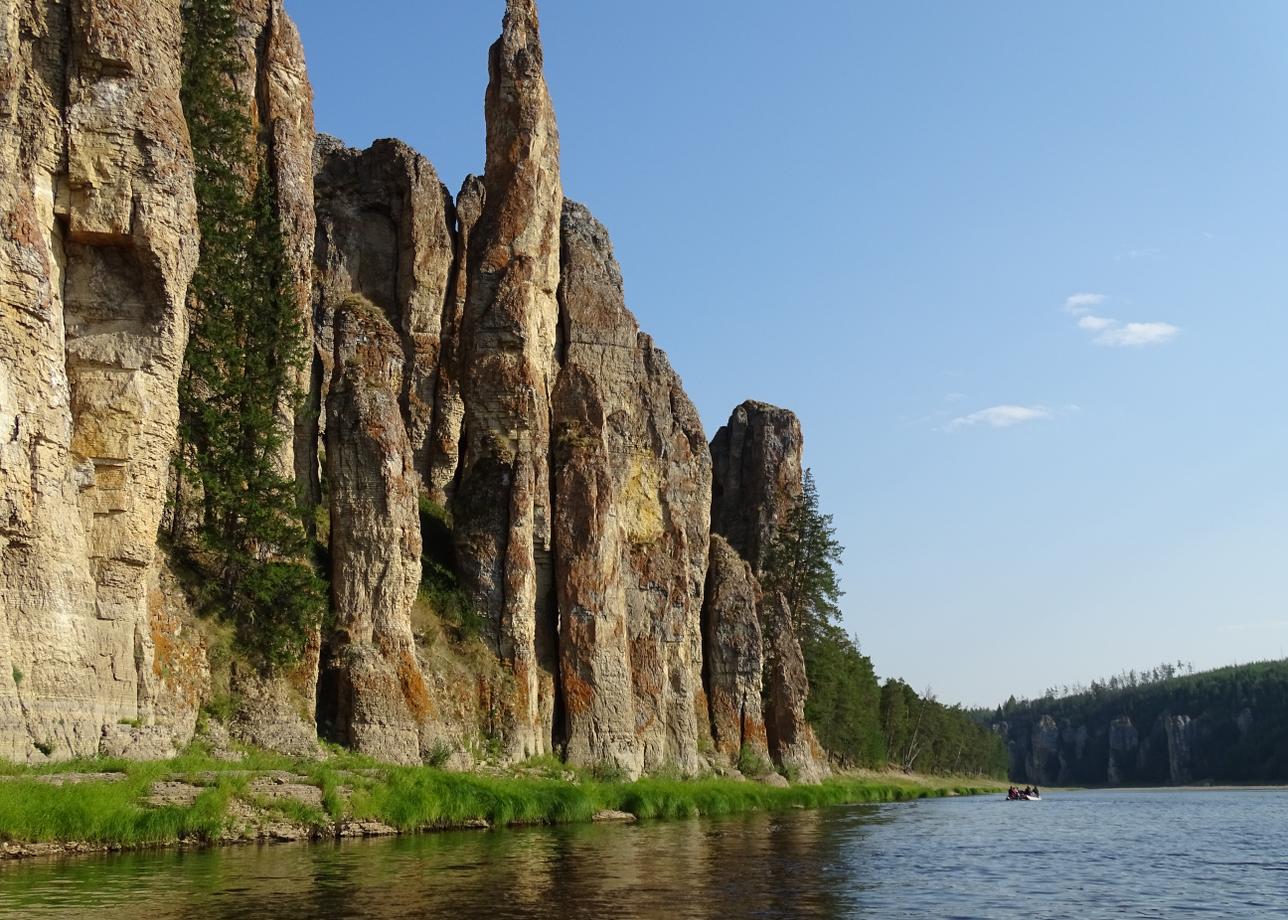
x=1167 y=725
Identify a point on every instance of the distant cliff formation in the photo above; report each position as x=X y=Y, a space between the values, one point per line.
x=1223 y=726
x=478 y=394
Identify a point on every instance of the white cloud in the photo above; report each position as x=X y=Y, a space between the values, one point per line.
x=1135 y=335
x=1095 y=323
x=1078 y=304
x=1000 y=417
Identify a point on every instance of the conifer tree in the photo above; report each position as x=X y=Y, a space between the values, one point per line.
x=245 y=348
x=801 y=562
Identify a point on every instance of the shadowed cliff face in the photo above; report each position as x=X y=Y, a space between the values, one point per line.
x=476 y=354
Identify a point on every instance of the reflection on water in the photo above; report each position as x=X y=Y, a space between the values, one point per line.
x=753 y=865
x=1096 y=854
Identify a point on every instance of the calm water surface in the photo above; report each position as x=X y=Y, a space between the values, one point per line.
x=1089 y=854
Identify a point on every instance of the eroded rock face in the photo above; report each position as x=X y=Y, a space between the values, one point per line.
x=1044 y=761
x=96 y=253
x=386 y=233
x=734 y=650
x=375 y=542
x=509 y=357
x=1181 y=731
x=1124 y=741
x=631 y=488
x=791 y=739
x=757 y=476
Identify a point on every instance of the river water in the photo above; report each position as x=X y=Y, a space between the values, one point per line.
x=1166 y=853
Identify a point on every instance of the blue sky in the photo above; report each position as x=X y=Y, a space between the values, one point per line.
x=1021 y=269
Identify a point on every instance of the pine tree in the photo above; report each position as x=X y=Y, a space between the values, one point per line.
x=245 y=349
x=801 y=562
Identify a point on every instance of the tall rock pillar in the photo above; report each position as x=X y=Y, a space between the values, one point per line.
x=757 y=479
x=632 y=484
x=502 y=505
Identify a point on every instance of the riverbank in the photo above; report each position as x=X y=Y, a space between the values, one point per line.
x=198 y=800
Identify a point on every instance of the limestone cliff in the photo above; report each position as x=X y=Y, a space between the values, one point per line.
x=95 y=258
x=631 y=488
x=735 y=654
x=386 y=232
x=473 y=360
x=757 y=478
x=379 y=692
x=509 y=364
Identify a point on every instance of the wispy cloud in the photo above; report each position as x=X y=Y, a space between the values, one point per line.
x=1094 y=323
x=1000 y=417
x=1077 y=304
x=1114 y=333
x=1136 y=335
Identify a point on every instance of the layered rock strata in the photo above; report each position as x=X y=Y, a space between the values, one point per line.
x=502 y=503
x=632 y=481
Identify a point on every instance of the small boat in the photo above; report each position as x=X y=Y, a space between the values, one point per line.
x=1025 y=797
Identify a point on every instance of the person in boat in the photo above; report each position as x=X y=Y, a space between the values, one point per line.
x=1035 y=793
x=1012 y=793
x=1027 y=791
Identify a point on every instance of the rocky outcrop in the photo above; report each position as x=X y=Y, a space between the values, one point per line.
x=631 y=488
x=1180 y=731
x=477 y=353
x=756 y=460
x=502 y=503
x=379 y=692
x=444 y=448
x=756 y=479
x=386 y=233
x=735 y=654
x=1124 y=742
x=95 y=257
x=791 y=739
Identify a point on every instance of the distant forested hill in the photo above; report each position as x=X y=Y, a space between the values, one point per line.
x=1164 y=727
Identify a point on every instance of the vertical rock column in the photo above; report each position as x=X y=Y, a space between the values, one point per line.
x=734 y=654
x=385 y=232
x=97 y=250
x=757 y=477
x=502 y=503
x=375 y=542
x=633 y=478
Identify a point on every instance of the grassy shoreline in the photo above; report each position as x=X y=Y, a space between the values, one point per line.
x=196 y=800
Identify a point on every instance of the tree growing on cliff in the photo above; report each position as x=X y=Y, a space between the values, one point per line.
x=801 y=561
x=245 y=349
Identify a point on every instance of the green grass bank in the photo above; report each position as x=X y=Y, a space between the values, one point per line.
x=196 y=800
